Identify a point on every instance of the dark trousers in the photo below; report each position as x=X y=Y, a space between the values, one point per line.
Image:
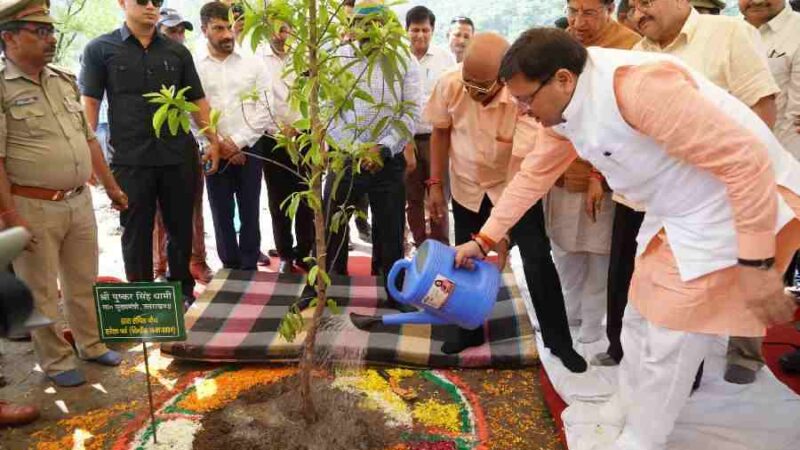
x=281 y=184
x=172 y=189
x=620 y=270
x=242 y=185
x=540 y=271
x=789 y=275
x=387 y=196
x=415 y=198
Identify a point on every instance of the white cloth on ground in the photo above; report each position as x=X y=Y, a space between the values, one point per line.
x=718 y=416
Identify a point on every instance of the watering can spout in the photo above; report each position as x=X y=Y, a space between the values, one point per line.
x=415 y=318
x=363 y=322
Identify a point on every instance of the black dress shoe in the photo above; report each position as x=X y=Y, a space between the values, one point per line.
x=790 y=362
x=302 y=264
x=573 y=361
x=285 y=266
x=466 y=339
x=263 y=260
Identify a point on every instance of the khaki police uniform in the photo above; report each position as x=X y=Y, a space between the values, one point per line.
x=44 y=141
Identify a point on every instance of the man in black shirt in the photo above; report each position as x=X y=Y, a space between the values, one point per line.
x=125 y=64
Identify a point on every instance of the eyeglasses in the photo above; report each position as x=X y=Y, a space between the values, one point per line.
x=527 y=100
x=42 y=31
x=156 y=3
x=589 y=14
x=477 y=88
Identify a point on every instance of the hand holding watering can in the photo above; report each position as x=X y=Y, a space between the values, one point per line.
x=478 y=248
x=443 y=293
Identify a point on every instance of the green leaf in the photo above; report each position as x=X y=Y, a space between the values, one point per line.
x=325 y=278
x=158 y=119
x=312 y=276
x=302 y=124
x=185 y=123
x=190 y=107
x=173 y=121
x=334 y=307
x=180 y=94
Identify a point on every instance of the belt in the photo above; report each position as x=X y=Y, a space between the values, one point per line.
x=39 y=193
x=422 y=136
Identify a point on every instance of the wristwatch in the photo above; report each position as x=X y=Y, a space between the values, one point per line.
x=763 y=264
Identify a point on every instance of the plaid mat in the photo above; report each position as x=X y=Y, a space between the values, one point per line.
x=237 y=318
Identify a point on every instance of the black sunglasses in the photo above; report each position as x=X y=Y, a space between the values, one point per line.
x=156 y=3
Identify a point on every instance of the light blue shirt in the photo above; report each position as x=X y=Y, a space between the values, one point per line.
x=355 y=126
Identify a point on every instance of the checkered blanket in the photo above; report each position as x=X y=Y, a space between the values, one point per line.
x=237 y=318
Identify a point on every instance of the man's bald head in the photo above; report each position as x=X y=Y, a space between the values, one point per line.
x=483 y=56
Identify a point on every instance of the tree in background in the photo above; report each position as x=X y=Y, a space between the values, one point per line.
x=78 y=22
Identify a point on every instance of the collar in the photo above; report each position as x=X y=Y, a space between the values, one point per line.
x=125 y=33
x=428 y=53
x=503 y=97
x=12 y=72
x=608 y=28
x=781 y=20
x=578 y=96
x=269 y=52
x=687 y=32
x=203 y=53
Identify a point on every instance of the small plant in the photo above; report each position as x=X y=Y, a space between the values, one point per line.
x=175 y=110
x=323 y=87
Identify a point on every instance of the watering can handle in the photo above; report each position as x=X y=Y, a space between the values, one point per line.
x=399 y=266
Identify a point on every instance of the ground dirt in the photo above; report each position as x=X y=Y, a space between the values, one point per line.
x=273 y=414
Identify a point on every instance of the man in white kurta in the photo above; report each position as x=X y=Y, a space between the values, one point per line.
x=722 y=205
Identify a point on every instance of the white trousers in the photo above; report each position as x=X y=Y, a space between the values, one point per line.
x=655 y=380
x=584 y=279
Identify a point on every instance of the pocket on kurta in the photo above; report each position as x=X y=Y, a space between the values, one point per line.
x=498 y=158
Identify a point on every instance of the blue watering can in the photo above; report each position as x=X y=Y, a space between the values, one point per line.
x=445 y=294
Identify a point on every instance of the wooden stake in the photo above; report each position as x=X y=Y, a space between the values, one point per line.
x=149 y=392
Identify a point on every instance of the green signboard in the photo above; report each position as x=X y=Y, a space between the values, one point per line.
x=139 y=311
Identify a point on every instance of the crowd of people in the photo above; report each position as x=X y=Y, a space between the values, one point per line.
x=619 y=174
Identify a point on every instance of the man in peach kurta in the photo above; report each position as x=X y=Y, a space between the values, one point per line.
x=477 y=128
x=728 y=52
x=722 y=206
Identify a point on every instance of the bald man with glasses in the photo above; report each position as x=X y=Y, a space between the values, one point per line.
x=479 y=135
